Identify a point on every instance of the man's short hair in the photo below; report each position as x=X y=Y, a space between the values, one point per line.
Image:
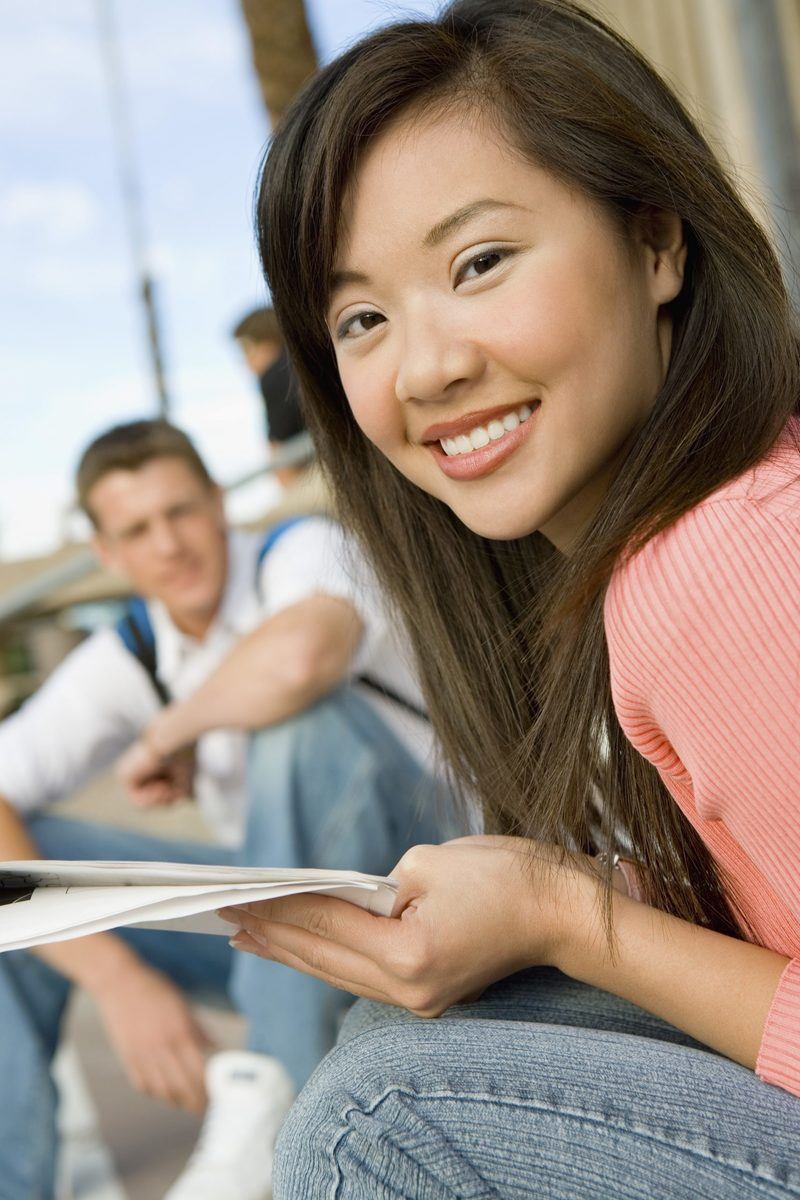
x=128 y=447
x=260 y=325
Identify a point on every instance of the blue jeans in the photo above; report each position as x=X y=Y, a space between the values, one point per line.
x=330 y=788
x=544 y=1088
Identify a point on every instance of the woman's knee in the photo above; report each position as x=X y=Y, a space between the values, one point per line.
x=366 y=1015
x=341 y=1115
x=305 y=1155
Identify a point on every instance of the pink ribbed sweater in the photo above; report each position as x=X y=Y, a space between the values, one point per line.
x=703 y=629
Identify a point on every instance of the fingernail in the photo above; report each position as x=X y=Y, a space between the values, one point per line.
x=225 y=915
x=237 y=942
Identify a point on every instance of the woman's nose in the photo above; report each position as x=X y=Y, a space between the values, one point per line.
x=435 y=357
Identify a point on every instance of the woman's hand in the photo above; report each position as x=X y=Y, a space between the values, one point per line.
x=467 y=913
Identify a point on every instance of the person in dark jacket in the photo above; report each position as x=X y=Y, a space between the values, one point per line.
x=259 y=338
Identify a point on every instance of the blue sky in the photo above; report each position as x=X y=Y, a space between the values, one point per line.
x=72 y=347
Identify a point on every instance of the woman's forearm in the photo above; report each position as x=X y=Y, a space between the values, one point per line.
x=713 y=987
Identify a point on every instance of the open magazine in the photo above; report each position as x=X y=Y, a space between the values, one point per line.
x=51 y=901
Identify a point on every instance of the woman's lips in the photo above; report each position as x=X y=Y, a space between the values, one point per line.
x=472 y=420
x=477 y=463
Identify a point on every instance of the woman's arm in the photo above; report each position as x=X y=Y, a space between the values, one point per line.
x=704 y=642
x=715 y=988
x=477 y=909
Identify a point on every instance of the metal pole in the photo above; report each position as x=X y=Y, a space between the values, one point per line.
x=131 y=193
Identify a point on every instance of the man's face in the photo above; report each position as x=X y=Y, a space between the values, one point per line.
x=163 y=528
x=259 y=355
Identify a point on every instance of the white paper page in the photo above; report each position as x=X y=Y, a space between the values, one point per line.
x=49 y=914
x=71 y=873
x=380 y=902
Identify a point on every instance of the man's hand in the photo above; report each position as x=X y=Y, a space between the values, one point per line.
x=150 y=778
x=155 y=1035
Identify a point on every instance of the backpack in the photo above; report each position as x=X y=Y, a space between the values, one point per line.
x=136 y=632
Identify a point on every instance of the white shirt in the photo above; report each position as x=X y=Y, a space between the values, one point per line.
x=100 y=698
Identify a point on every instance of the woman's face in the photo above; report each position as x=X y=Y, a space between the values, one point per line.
x=498 y=338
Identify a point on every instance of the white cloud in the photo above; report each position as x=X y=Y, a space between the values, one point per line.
x=55 y=212
x=51 y=64
x=72 y=277
x=47 y=69
x=184 y=63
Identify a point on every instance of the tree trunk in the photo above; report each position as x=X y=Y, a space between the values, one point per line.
x=283 y=53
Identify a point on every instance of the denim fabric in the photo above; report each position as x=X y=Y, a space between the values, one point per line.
x=544 y=1088
x=330 y=788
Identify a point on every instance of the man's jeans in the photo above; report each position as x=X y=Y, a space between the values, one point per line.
x=330 y=788
x=544 y=1088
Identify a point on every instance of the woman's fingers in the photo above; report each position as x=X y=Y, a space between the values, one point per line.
x=380 y=957
x=317 y=942
x=327 y=917
x=296 y=948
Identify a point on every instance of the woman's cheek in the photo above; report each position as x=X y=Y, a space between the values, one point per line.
x=375 y=410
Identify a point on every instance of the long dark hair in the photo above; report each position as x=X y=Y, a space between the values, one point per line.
x=509 y=636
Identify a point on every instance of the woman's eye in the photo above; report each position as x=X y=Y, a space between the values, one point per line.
x=360 y=324
x=484 y=262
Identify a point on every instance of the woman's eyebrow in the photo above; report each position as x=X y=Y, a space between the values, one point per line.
x=340 y=279
x=434 y=237
x=442 y=229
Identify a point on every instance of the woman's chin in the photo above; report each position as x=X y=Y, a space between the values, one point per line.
x=498 y=527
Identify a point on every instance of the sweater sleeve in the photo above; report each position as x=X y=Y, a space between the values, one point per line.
x=704 y=638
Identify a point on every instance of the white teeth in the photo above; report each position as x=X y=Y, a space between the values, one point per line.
x=482 y=435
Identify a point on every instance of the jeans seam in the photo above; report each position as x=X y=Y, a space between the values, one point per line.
x=342 y=1133
x=586 y=1117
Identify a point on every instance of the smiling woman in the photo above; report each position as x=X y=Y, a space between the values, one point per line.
x=537 y=302
x=552 y=372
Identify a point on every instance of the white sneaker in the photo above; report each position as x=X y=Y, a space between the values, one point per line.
x=249 y=1096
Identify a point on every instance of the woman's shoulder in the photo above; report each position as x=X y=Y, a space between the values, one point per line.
x=743 y=539
x=774 y=481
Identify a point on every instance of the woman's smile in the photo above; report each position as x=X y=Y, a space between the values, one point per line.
x=484 y=445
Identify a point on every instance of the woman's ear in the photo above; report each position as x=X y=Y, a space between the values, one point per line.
x=660 y=234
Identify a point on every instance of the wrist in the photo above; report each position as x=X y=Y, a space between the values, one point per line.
x=162 y=736
x=108 y=967
x=579 y=927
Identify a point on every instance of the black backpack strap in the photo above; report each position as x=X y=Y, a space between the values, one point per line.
x=138 y=637
x=395 y=697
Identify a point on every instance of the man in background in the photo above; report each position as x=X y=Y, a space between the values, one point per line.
x=259 y=338
x=252 y=697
